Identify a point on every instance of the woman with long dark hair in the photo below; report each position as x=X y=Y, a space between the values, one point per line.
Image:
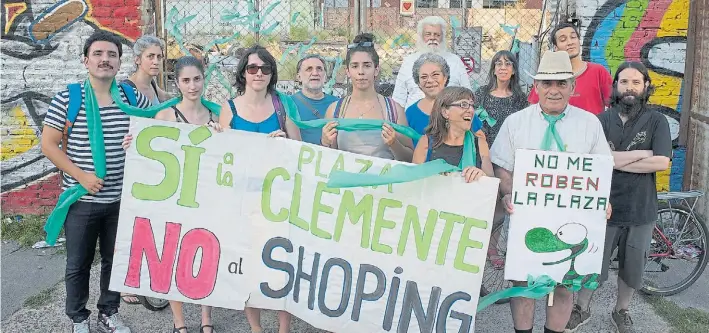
x=362 y=63
x=451 y=118
x=502 y=95
x=257 y=108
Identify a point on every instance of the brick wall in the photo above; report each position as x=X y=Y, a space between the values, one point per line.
x=654 y=32
x=41 y=53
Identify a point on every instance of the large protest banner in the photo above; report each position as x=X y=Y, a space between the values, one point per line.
x=559 y=221
x=234 y=219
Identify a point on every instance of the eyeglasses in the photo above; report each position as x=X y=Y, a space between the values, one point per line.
x=253 y=69
x=503 y=64
x=363 y=44
x=464 y=105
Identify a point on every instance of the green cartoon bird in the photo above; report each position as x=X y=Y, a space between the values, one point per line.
x=570 y=236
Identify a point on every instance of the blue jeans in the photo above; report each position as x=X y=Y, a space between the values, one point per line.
x=87 y=222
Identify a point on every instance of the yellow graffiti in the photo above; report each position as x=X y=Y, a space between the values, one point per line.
x=11 y=14
x=18 y=135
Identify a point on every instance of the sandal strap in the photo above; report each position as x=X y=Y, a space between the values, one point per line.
x=201 y=329
x=178 y=329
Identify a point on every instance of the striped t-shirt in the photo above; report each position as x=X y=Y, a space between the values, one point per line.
x=115 y=125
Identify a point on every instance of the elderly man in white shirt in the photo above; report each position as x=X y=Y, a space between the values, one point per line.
x=551 y=125
x=430 y=37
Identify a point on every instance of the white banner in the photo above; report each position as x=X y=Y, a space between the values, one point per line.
x=222 y=218
x=558 y=226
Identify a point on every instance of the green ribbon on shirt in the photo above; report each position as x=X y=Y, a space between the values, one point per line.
x=552 y=133
x=399 y=173
x=485 y=117
x=55 y=221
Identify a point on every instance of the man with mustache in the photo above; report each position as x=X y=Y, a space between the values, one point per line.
x=551 y=125
x=311 y=101
x=95 y=215
x=642 y=145
x=430 y=38
x=593 y=82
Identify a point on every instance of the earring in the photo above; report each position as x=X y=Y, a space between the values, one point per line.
x=447 y=123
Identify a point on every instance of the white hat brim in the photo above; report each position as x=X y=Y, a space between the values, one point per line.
x=552 y=77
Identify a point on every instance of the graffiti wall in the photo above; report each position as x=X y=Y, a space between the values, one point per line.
x=655 y=33
x=41 y=53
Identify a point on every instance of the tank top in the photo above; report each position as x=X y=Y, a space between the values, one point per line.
x=266 y=126
x=369 y=142
x=450 y=154
x=180 y=117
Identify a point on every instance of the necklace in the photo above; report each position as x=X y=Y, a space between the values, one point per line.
x=371 y=108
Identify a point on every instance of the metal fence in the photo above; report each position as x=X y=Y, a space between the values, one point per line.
x=217 y=30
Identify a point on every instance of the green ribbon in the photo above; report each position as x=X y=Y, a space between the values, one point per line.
x=402 y=173
x=552 y=132
x=56 y=219
x=535 y=289
x=484 y=116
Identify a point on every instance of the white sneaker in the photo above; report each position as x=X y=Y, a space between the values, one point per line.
x=111 y=324
x=82 y=327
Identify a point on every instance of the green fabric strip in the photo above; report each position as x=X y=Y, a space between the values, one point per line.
x=402 y=173
x=55 y=221
x=552 y=133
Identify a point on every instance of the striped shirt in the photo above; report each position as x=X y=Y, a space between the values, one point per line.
x=115 y=125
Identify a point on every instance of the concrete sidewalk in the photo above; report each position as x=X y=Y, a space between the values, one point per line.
x=496 y=318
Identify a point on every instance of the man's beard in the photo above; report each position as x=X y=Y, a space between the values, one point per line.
x=423 y=47
x=629 y=107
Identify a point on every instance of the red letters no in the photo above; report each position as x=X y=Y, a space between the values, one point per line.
x=201 y=285
x=159 y=268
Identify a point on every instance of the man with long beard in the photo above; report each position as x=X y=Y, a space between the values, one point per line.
x=430 y=38
x=641 y=144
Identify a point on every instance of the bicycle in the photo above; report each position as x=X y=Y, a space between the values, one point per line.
x=153 y=304
x=669 y=246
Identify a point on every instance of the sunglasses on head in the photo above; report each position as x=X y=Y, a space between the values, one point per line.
x=253 y=69
x=363 y=44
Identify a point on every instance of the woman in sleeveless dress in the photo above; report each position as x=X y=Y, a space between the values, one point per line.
x=149 y=54
x=189 y=72
x=365 y=103
x=451 y=118
x=258 y=109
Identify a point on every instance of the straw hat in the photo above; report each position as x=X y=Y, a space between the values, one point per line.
x=554 y=66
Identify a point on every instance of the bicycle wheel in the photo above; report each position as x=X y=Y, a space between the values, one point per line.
x=153 y=304
x=494 y=273
x=678 y=251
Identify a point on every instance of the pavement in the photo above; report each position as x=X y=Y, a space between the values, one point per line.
x=26 y=272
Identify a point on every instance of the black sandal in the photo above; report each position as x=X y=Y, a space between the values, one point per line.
x=201 y=329
x=178 y=329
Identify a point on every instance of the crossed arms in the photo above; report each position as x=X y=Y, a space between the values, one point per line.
x=640 y=161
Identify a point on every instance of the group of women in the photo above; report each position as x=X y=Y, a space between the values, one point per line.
x=443 y=116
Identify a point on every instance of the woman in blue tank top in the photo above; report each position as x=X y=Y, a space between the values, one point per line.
x=431 y=73
x=257 y=107
x=451 y=118
x=362 y=64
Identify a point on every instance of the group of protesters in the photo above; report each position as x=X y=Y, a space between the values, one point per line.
x=574 y=106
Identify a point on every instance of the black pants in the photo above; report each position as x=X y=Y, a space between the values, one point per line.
x=86 y=223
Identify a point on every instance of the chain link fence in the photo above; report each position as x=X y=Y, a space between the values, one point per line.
x=219 y=30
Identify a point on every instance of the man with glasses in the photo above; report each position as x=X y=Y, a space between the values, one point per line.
x=593 y=81
x=311 y=101
x=430 y=38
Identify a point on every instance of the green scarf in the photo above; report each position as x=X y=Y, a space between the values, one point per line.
x=552 y=133
x=399 y=173
x=56 y=219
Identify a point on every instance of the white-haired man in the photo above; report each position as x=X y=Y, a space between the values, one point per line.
x=430 y=37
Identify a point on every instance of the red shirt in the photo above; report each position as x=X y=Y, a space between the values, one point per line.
x=593 y=89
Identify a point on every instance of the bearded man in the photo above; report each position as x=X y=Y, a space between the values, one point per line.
x=430 y=38
x=640 y=140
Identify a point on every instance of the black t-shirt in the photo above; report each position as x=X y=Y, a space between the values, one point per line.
x=634 y=195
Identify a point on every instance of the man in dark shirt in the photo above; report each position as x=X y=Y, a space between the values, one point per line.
x=641 y=144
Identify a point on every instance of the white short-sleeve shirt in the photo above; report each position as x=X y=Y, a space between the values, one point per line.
x=580 y=131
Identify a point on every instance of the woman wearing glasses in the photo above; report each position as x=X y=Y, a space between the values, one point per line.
x=502 y=95
x=431 y=73
x=362 y=63
x=257 y=107
x=451 y=117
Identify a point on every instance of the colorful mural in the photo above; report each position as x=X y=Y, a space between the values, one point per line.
x=655 y=33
